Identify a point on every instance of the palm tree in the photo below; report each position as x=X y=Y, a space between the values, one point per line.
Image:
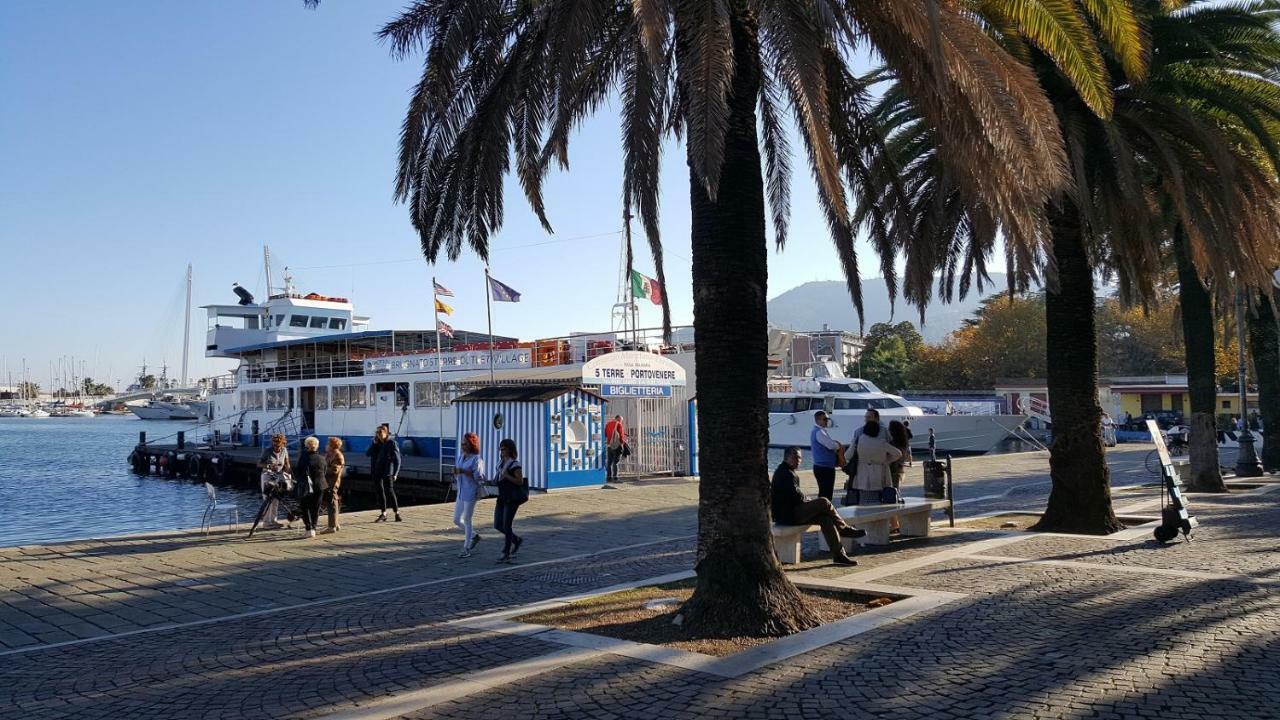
x=1175 y=152
x=504 y=75
x=1264 y=345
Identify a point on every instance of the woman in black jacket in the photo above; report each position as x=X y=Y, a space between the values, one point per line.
x=311 y=483
x=384 y=466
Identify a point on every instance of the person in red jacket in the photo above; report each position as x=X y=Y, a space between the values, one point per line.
x=615 y=438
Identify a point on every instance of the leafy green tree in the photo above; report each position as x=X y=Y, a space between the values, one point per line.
x=888 y=365
x=1140 y=340
x=148 y=382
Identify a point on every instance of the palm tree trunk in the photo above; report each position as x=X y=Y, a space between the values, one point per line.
x=1264 y=344
x=1080 y=500
x=741 y=589
x=1202 y=385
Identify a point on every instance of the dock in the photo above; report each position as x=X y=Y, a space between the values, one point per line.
x=236 y=465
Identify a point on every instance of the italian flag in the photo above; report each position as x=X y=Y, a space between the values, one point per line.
x=642 y=286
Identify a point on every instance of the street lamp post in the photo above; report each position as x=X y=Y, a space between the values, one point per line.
x=1247 y=463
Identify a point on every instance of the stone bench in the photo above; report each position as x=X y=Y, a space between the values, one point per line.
x=913 y=519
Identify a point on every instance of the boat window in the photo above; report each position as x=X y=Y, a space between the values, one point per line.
x=422 y=394
x=278 y=399
x=841 y=387
x=357 y=396
x=322 y=398
x=341 y=397
x=298 y=321
x=851 y=404
x=402 y=394
x=251 y=323
x=780 y=405
x=318 y=322
x=251 y=399
x=337 y=323
x=891 y=403
x=279 y=321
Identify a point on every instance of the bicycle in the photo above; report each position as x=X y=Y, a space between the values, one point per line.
x=1176 y=446
x=279 y=490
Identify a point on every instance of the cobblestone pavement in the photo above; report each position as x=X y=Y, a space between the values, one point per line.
x=183 y=626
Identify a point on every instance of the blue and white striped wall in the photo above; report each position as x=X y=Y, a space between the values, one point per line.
x=543 y=432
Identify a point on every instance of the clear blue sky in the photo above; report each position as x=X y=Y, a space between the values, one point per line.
x=137 y=136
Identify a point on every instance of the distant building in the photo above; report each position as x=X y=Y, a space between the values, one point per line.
x=1138 y=396
x=810 y=346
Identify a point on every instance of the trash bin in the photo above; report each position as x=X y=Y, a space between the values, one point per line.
x=935 y=479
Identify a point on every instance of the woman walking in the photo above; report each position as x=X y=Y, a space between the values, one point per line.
x=335 y=462
x=384 y=462
x=311 y=483
x=874 y=455
x=275 y=466
x=513 y=491
x=468 y=473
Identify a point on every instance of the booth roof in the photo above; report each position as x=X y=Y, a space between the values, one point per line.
x=520 y=393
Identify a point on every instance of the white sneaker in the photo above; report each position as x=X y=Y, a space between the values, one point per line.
x=311 y=533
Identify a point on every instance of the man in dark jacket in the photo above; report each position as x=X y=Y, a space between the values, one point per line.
x=790 y=508
x=384 y=467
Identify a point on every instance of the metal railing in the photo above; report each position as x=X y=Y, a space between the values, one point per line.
x=545 y=352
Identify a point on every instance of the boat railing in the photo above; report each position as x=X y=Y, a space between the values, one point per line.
x=545 y=352
x=321 y=369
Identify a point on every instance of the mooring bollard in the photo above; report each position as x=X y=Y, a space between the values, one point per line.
x=217 y=438
x=182 y=440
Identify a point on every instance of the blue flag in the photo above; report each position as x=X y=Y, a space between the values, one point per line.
x=502 y=293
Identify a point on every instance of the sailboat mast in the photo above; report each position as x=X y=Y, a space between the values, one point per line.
x=186 y=331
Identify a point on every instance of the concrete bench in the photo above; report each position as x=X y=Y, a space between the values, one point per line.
x=913 y=518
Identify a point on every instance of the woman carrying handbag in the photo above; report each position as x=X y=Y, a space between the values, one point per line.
x=513 y=491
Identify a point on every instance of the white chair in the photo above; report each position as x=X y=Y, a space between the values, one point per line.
x=232 y=510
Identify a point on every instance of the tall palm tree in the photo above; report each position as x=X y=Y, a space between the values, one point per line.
x=1173 y=153
x=726 y=76
x=1264 y=346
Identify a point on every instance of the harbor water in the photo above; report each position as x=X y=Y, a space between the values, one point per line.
x=67 y=478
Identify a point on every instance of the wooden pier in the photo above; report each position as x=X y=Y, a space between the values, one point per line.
x=237 y=465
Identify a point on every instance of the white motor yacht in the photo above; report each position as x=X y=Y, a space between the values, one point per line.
x=169 y=408
x=793 y=401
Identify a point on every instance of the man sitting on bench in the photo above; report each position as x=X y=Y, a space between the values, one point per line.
x=790 y=508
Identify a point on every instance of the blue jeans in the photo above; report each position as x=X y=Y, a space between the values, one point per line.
x=504 y=516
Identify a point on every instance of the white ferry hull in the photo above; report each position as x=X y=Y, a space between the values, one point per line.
x=968 y=434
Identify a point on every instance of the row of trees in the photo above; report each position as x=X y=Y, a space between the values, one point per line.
x=1005 y=338
x=1091 y=136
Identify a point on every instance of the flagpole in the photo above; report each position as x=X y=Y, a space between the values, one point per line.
x=435 y=305
x=488 y=312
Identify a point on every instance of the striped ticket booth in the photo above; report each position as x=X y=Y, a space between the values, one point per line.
x=558 y=429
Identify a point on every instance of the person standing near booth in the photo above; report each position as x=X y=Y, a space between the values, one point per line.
x=615 y=440
x=823 y=448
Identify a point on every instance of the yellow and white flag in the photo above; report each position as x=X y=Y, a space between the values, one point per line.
x=442 y=308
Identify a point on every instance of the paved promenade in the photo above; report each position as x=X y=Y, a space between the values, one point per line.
x=379 y=620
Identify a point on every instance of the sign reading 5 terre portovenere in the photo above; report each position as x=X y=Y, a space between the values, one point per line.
x=633 y=374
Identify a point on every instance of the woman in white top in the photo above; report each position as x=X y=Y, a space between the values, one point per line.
x=468 y=473
x=875 y=453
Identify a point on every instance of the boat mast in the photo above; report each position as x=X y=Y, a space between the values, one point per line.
x=186 y=330
x=266 y=265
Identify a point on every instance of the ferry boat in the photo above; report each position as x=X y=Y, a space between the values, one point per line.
x=794 y=400
x=309 y=365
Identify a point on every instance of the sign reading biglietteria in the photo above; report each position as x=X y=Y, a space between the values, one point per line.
x=636 y=391
x=516 y=359
x=630 y=373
